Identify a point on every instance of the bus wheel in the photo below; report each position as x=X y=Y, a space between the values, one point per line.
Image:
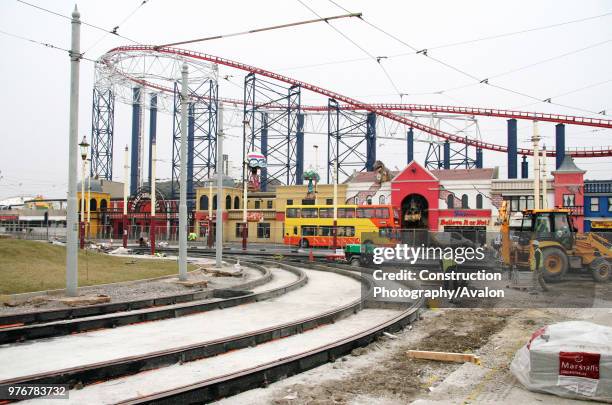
x=600 y=269
x=304 y=243
x=555 y=263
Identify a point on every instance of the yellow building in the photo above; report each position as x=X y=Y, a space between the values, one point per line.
x=97 y=203
x=265 y=210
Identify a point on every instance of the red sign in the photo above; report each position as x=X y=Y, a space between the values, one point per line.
x=464 y=222
x=254 y=216
x=579 y=364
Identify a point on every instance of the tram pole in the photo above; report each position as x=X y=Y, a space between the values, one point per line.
x=335 y=229
x=182 y=233
x=210 y=222
x=126 y=174
x=220 y=174
x=153 y=197
x=71 y=206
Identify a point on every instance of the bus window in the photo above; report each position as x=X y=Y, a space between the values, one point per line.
x=366 y=212
x=382 y=213
x=346 y=212
x=295 y=230
x=293 y=212
x=326 y=212
x=346 y=231
x=326 y=231
x=309 y=230
x=309 y=213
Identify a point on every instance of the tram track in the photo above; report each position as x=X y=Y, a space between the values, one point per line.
x=131 y=313
x=92 y=373
x=232 y=383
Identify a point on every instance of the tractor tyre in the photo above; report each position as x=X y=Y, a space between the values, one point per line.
x=355 y=261
x=555 y=263
x=601 y=270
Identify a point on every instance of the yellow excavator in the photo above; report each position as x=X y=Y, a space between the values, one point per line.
x=563 y=248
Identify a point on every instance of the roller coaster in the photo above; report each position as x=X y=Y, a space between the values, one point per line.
x=276 y=99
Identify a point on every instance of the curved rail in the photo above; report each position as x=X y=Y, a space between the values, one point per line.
x=121 y=367
x=66 y=327
x=353 y=103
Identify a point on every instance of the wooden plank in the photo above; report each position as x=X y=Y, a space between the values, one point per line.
x=444 y=356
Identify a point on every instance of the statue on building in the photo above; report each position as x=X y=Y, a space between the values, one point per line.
x=383 y=174
x=313 y=179
x=255 y=162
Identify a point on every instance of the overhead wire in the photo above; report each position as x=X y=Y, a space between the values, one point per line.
x=485 y=81
x=116 y=28
x=85 y=23
x=377 y=59
x=45 y=44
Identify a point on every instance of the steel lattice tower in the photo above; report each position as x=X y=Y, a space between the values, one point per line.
x=201 y=136
x=351 y=139
x=102 y=127
x=274 y=126
x=447 y=155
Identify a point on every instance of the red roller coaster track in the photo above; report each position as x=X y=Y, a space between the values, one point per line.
x=385 y=110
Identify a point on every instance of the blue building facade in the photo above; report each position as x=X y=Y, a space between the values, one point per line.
x=598 y=205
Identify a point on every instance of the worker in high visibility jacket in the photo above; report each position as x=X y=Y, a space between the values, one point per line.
x=536 y=263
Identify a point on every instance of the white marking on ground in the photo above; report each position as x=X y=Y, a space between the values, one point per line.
x=178 y=375
x=323 y=292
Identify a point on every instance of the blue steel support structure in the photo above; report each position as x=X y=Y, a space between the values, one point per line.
x=447 y=155
x=264 y=149
x=351 y=139
x=201 y=137
x=135 y=148
x=559 y=144
x=446 y=162
x=152 y=131
x=479 y=158
x=102 y=127
x=512 y=149
x=410 y=146
x=370 y=142
x=273 y=130
x=299 y=164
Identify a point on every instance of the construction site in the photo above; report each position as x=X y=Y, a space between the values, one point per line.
x=289 y=209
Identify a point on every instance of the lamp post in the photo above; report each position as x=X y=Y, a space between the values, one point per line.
x=83 y=146
x=126 y=179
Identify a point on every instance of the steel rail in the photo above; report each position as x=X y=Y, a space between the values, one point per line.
x=50 y=315
x=261 y=376
x=121 y=367
x=66 y=327
x=355 y=104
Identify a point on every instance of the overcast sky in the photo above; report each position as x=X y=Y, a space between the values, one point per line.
x=35 y=79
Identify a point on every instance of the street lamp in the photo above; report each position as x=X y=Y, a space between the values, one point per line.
x=316 y=152
x=84 y=146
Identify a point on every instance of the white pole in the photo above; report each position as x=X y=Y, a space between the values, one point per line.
x=153 y=164
x=536 y=166
x=335 y=229
x=316 y=150
x=71 y=206
x=83 y=162
x=126 y=180
x=182 y=232
x=88 y=197
x=544 y=183
x=220 y=174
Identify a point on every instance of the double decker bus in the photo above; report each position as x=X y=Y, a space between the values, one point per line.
x=312 y=225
